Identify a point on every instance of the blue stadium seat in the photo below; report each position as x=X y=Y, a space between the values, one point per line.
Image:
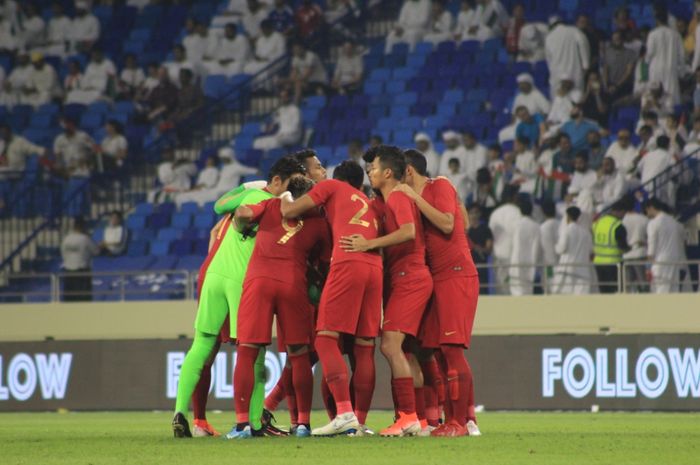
x=168 y=234
x=204 y=220
x=423 y=48
x=189 y=262
x=160 y=248
x=137 y=248
x=181 y=220
x=144 y=209
x=380 y=74
x=395 y=87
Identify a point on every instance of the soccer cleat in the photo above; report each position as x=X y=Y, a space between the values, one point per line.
x=245 y=432
x=302 y=431
x=425 y=429
x=473 y=428
x=449 y=430
x=268 y=428
x=203 y=429
x=181 y=428
x=406 y=425
x=340 y=424
x=364 y=430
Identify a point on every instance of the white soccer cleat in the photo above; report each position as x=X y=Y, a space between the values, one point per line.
x=340 y=424
x=425 y=432
x=473 y=428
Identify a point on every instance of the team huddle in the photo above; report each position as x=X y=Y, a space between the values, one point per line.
x=397 y=265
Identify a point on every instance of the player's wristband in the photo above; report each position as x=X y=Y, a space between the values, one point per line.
x=255 y=184
x=287 y=195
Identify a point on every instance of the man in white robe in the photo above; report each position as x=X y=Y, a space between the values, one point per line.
x=503 y=222
x=549 y=235
x=526 y=251
x=441 y=23
x=286 y=124
x=413 y=23
x=575 y=247
x=567 y=52
x=425 y=146
x=666 y=248
x=453 y=149
x=665 y=56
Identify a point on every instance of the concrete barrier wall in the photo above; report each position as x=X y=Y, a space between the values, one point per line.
x=594 y=314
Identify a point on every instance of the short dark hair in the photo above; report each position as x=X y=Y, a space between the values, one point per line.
x=416 y=160
x=370 y=154
x=649 y=115
x=391 y=157
x=548 y=208
x=524 y=204
x=304 y=154
x=349 y=171
x=574 y=213
x=509 y=193
x=582 y=155
x=116 y=125
x=483 y=176
x=299 y=186
x=377 y=137
x=524 y=140
x=663 y=142
x=453 y=161
x=564 y=135
x=285 y=168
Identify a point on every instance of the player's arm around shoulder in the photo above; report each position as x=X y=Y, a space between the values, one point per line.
x=443 y=220
x=291 y=208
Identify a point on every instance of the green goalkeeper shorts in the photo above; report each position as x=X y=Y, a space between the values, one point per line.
x=219 y=298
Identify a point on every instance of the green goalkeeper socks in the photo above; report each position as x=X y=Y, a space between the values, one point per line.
x=257 y=399
x=191 y=369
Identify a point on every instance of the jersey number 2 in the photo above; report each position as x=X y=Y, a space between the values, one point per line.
x=356 y=219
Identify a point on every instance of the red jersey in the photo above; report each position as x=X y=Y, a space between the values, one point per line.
x=348 y=212
x=399 y=210
x=282 y=246
x=447 y=253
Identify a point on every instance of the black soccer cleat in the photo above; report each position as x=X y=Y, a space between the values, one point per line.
x=181 y=428
x=268 y=428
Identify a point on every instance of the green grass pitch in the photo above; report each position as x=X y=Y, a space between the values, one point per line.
x=509 y=438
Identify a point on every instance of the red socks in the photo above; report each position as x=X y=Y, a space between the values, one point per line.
x=471 y=410
x=243 y=381
x=302 y=379
x=363 y=380
x=458 y=380
x=420 y=402
x=328 y=399
x=405 y=396
x=432 y=412
x=335 y=372
x=278 y=393
x=200 y=394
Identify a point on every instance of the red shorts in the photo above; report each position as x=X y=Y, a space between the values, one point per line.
x=351 y=301
x=450 y=318
x=264 y=298
x=408 y=294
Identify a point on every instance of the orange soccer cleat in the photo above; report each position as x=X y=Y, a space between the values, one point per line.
x=450 y=429
x=202 y=428
x=405 y=425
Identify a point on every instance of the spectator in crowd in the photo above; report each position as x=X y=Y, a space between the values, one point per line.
x=180 y=61
x=531 y=42
x=593 y=36
x=412 y=25
x=641 y=80
x=282 y=18
x=14 y=150
x=574 y=247
x=458 y=178
x=622 y=151
x=481 y=244
x=526 y=251
x=475 y=157
x=567 y=52
x=230 y=54
x=656 y=100
x=255 y=13
x=8 y=39
x=610 y=184
x=41 y=84
x=174 y=176
x=595 y=102
x=584 y=178
x=269 y=46
x=549 y=236
x=229 y=177
x=130 y=79
x=16 y=80
x=530 y=96
x=96 y=81
x=198 y=45
x=151 y=82
x=665 y=55
x=77 y=250
x=162 y=100
x=624 y=23
x=651 y=120
x=491 y=20
x=513 y=29
x=375 y=140
x=485 y=193
x=114 y=147
x=307 y=75
x=526 y=168
x=609 y=244
x=466 y=20
x=425 y=146
x=441 y=23
x=115 y=235
x=453 y=149
x=74 y=149
x=652 y=165
x=189 y=96
x=72 y=81
x=665 y=248
x=32 y=30
x=617 y=68
x=578 y=127
x=207 y=179
x=562 y=104
x=309 y=21
x=59 y=32
x=691 y=148
x=646 y=141
x=285 y=129
x=636 y=226
x=349 y=69
x=503 y=223
x=563 y=158
x=85 y=28
x=529 y=126
x=677 y=133
x=596 y=150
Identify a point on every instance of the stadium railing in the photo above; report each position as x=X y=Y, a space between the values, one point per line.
x=632 y=277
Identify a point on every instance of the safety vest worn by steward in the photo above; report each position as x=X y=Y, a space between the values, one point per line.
x=605 y=246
